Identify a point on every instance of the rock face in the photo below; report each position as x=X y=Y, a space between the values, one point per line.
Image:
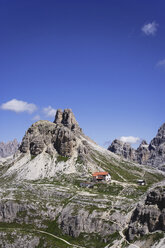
x=84 y=222
x=58 y=137
x=157 y=148
x=149 y=217
x=152 y=154
x=122 y=149
x=142 y=153
x=9 y=210
x=9 y=148
x=66 y=118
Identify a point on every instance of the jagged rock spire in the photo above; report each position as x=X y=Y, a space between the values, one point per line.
x=58 y=116
x=66 y=118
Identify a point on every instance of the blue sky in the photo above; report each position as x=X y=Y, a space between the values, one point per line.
x=103 y=59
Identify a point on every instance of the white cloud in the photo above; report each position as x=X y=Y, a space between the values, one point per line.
x=150 y=28
x=49 y=111
x=130 y=139
x=19 y=106
x=36 y=118
x=161 y=63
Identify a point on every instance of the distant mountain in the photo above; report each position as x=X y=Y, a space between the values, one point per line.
x=9 y=148
x=149 y=154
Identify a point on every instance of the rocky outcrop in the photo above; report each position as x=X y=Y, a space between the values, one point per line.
x=58 y=137
x=157 y=148
x=9 y=148
x=9 y=210
x=122 y=149
x=67 y=119
x=82 y=221
x=148 y=217
x=142 y=153
x=152 y=154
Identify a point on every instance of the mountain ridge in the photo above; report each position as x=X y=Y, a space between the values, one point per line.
x=8 y=148
x=152 y=154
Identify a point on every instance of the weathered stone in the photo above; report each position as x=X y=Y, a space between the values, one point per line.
x=122 y=149
x=149 y=217
x=74 y=224
x=142 y=153
x=66 y=118
x=58 y=117
x=59 y=136
x=65 y=142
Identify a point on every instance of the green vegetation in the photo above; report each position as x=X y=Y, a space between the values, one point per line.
x=61 y=159
x=45 y=240
x=110 y=189
x=15 y=225
x=10 y=238
x=33 y=157
x=112 y=237
x=124 y=244
x=89 y=240
x=134 y=192
x=158 y=236
x=91 y=208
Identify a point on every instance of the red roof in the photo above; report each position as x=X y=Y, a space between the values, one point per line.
x=104 y=173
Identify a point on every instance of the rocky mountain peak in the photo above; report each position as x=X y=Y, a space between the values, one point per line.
x=122 y=149
x=58 y=116
x=66 y=118
x=60 y=137
x=160 y=137
x=143 y=143
x=161 y=130
x=56 y=147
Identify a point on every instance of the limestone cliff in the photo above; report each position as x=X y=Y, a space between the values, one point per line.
x=148 y=217
x=59 y=136
x=152 y=154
